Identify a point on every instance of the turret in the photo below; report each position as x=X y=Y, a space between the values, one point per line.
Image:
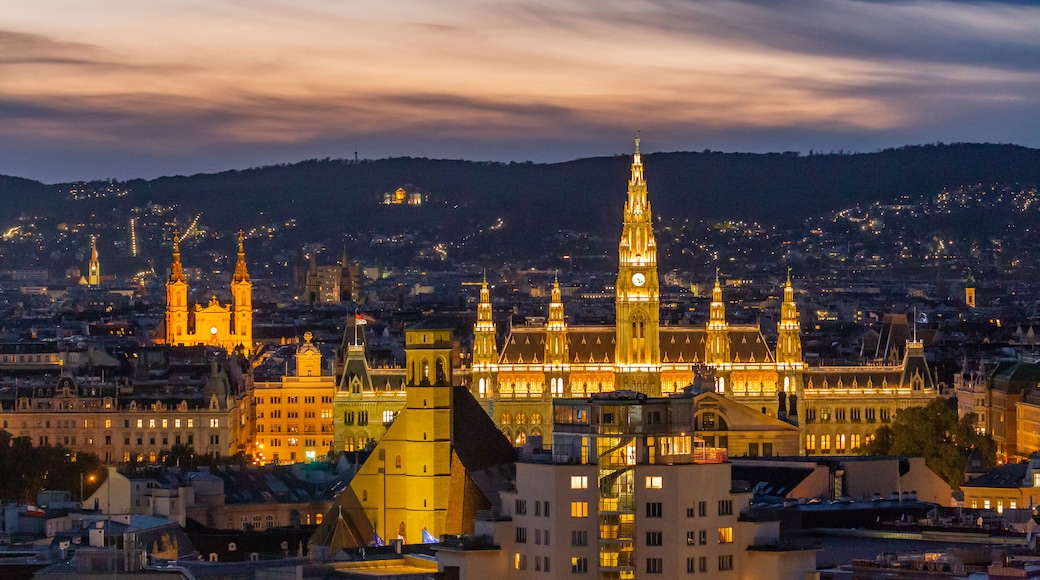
x=789 y=343
x=485 y=350
x=717 y=349
x=555 y=356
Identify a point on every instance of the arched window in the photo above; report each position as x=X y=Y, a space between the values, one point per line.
x=536 y=418
x=442 y=376
x=482 y=387
x=521 y=439
x=506 y=419
x=521 y=418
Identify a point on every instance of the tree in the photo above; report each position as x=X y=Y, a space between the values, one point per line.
x=26 y=470
x=935 y=433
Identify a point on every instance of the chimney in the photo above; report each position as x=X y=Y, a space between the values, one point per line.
x=781 y=409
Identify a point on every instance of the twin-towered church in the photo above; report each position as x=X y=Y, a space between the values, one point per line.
x=227 y=326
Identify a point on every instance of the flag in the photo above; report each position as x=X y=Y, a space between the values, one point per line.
x=377 y=541
x=359 y=319
x=427 y=537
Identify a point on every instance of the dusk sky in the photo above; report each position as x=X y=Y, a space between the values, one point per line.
x=126 y=89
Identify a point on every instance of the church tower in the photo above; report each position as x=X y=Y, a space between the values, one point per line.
x=638 y=313
x=555 y=357
x=485 y=351
x=93 y=269
x=242 y=299
x=176 y=297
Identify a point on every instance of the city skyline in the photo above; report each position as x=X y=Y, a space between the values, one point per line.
x=124 y=90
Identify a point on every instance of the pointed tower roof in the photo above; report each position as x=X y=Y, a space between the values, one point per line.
x=556 y=321
x=241 y=274
x=637 y=207
x=93 y=248
x=344 y=526
x=484 y=315
x=789 y=309
x=717 y=310
x=176 y=270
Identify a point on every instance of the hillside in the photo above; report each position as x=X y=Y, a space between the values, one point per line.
x=331 y=198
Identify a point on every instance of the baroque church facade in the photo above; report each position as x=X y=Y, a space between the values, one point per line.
x=831 y=409
x=227 y=326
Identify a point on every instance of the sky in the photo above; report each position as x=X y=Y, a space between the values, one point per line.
x=123 y=89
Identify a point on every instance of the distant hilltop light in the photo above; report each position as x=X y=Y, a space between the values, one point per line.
x=405 y=195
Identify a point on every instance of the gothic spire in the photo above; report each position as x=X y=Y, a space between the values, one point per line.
x=717 y=310
x=556 y=320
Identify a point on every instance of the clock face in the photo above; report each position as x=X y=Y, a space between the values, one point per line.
x=638 y=279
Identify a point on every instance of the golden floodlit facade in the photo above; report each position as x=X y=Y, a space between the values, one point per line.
x=517 y=383
x=229 y=327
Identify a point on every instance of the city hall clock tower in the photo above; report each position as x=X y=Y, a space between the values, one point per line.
x=637 y=355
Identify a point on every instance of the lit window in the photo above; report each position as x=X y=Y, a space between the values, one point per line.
x=654 y=481
x=214 y=423
x=177 y=423
x=675 y=445
x=151 y=423
x=140 y=423
x=579 y=509
x=579 y=482
x=985 y=504
x=520 y=561
x=725 y=535
x=191 y=423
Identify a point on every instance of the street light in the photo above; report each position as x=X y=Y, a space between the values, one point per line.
x=90 y=479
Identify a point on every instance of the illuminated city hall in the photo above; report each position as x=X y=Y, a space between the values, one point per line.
x=794 y=408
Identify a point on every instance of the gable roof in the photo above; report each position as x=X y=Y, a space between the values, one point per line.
x=345 y=526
